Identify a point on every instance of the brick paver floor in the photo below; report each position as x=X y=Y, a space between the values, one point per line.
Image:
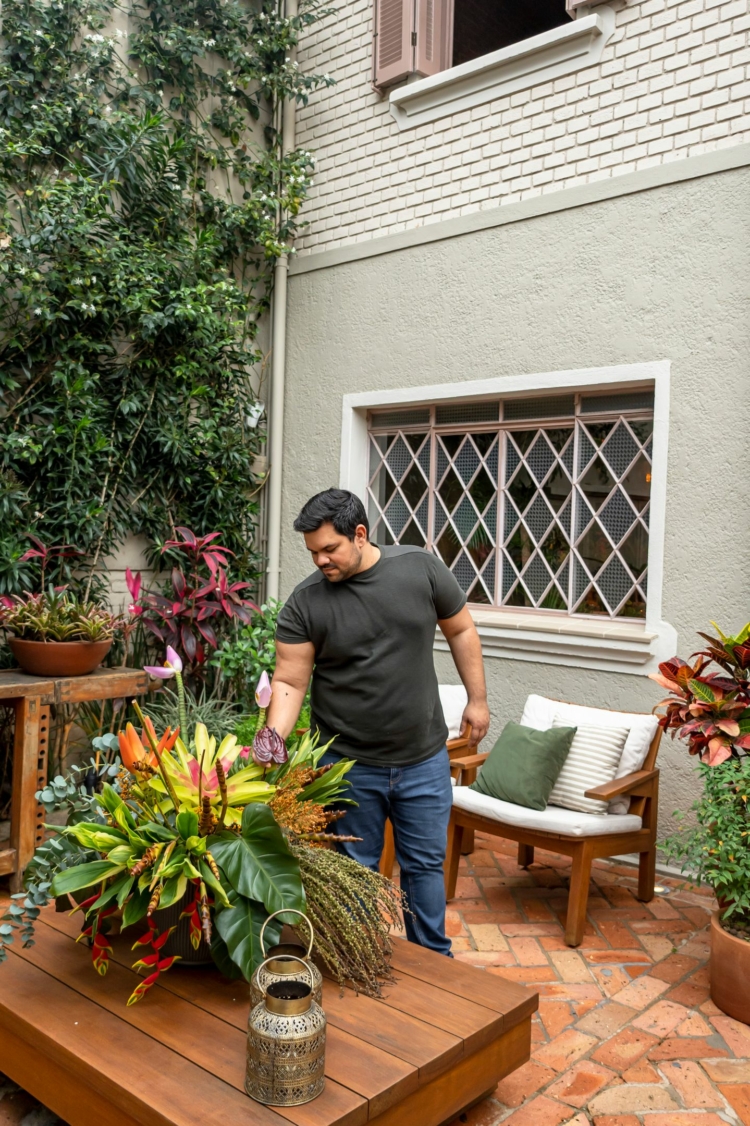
x=626 y=1033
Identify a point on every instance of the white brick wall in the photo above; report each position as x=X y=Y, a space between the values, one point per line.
x=674 y=81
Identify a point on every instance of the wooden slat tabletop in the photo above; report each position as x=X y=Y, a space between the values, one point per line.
x=179 y=1055
x=103 y=683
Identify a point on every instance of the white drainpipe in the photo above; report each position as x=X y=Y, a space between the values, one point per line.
x=278 y=368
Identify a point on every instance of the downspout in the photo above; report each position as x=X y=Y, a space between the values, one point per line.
x=278 y=364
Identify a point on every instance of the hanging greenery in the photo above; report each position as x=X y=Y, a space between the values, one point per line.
x=144 y=201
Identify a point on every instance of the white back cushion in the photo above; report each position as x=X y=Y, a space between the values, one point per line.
x=593 y=758
x=539 y=712
x=453 y=699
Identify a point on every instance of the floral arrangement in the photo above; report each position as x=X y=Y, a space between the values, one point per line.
x=226 y=832
x=710 y=709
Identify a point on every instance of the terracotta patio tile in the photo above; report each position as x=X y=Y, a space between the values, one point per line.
x=697 y=915
x=690 y=1082
x=579 y=1119
x=466 y=888
x=528 y=952
x=738 y=1097
x=661 y=909
x=486 y=915
x=529 y=930
x=727 y=1071
x=536 y=910
x=606 y=1019
x=685 y=1118
x=555 y=1016
x=656 y=945
x=541 y=1111
x=636 y=971
x=625 y=1048
x=642 y=992
x=553 y=942
x=662 y=1018
x=487 y=936
x=486 y=1113
x=484 y=958
x=641 y=1072
x=685 y=1048
x=631 y=1098
x=617 y=957
x=458 y=944
x=578 y=1085
x=694 y=1026
x=735 y=1035
x=570 y=965
x=569 y=991
x=674 y=967
x=525 y=975
x=564 y=1050
x=611 y=979
x=688 y=994
x=520 y=1084
x=616 y=1120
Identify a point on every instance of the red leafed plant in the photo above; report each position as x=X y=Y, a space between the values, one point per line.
x=710 y=709
x=201 y=593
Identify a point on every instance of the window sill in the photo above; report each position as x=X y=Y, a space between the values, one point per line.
x=630 y=647
x=540 y=59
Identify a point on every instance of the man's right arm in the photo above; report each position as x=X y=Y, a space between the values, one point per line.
x=294 y=666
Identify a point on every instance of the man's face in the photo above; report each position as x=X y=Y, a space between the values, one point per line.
x=335 y=555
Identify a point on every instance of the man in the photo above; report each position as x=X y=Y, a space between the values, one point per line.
x=364 y=626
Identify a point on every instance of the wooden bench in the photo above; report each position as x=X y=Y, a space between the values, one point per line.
x=438 y=1042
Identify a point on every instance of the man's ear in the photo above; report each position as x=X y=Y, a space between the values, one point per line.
x=360 y=534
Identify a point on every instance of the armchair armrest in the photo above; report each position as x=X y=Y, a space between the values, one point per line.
x=625 y=785
x=460 y=742
x=468 y=763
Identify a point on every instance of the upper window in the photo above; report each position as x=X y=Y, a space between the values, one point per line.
x=482 y=26
x=539 y=503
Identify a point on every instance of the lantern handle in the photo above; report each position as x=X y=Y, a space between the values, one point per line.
x=291 y=958
x=288 y=911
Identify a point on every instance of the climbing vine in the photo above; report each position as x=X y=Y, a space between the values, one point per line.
x=144 y=199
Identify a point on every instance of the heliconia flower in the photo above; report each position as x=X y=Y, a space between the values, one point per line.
x=172 y=665
x=268 y=746
x=263 y=691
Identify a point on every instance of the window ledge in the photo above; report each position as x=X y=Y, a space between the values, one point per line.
x=628 y=647
x=541 y=58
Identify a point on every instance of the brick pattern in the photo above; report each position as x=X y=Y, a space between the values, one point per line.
x=626 y=1033
x=674 y=81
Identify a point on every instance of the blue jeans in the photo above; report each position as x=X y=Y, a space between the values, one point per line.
x=418 y=800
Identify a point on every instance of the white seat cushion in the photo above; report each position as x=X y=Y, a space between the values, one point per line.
x=539 y=712
x=553 y=819
x=453 y=699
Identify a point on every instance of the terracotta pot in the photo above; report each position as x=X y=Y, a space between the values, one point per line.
x=730 y=972
x=58 y=658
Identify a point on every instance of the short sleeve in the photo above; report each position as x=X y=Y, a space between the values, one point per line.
x=291 y=627
x=449 y=597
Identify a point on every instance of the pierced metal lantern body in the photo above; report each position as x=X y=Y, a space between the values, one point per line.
x=282 y=962
x=286 y=1039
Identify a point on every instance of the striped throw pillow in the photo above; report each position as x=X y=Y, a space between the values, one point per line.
x=593 y=759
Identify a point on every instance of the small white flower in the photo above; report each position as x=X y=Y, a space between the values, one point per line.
x=37 y=312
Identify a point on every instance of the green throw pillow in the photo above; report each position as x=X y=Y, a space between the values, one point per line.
x=524 y=764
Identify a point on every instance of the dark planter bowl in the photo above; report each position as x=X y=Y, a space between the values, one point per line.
x=179 y=940
x=730 y=972
x=58 y=658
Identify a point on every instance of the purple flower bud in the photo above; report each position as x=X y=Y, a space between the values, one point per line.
x=268 y=746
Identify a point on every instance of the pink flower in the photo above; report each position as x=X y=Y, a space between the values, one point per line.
x=263 y=692
x=166 y=671
x=133 y=583
x=268 y=746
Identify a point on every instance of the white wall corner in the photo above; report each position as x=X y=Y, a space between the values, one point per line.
x=541 y=58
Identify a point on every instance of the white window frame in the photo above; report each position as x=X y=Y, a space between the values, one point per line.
x=541 y=58
x=616 y=645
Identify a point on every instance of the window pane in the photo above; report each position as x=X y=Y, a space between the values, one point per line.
x=481 y=26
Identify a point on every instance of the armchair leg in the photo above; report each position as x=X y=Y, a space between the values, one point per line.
x=452 y=856
x=468 y=843
x=647 y=875
x=525 y=855
x=579 y=894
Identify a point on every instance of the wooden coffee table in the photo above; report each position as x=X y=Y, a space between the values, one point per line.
x=439 y=1041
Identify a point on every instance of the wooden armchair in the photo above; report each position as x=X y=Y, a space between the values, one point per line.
x=582 y=845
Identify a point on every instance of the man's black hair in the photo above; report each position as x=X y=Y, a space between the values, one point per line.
x=333 y=506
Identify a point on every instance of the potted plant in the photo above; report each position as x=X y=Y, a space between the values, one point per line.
x=229 y=834
x=709 y=707
x=56 y=634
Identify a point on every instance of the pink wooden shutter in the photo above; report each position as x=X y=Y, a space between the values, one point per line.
x=434 y=49
x=393 y=47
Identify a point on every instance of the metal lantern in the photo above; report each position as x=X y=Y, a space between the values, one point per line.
x=282 y=962
x=286 y=1040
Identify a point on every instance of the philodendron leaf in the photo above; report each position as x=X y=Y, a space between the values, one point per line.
x=258 y=863
x=222 y=960
x=83 y=876
x=239 y=926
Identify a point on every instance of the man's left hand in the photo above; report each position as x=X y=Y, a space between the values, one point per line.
x=478 y=715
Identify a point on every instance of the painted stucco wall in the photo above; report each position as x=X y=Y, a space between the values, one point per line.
x=662 y=274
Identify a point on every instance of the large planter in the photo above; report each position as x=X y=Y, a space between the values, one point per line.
x=58 y=658
x=730 y=972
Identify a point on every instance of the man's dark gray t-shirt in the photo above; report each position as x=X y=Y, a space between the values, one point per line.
x=374 y=685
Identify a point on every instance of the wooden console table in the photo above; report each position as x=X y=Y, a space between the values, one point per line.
x=31 y=697
x=439 y=1041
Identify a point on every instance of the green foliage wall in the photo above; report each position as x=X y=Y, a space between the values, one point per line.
x=140 y=224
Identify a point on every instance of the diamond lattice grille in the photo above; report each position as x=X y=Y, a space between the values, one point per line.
x=548 y=517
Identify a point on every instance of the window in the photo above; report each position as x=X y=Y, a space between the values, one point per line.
x=539 y=503
x=482 y=26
